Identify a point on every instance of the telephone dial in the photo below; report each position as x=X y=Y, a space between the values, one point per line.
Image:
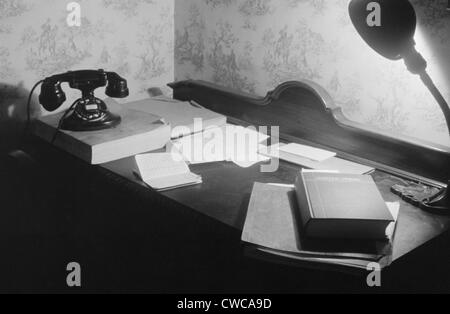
x=88 y=113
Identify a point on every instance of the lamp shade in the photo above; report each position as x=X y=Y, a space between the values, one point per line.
x=394 y=33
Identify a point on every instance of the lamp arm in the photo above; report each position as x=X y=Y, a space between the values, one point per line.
x=440 y=202
x=416 y=64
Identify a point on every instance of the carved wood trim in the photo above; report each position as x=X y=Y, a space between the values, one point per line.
x=305 y=112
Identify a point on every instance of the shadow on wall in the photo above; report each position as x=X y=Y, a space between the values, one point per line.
x=13 y=114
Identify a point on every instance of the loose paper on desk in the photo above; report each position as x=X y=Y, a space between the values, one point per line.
x=329 y=164
x=228 y=143
x=309 y=152
x=183 y=117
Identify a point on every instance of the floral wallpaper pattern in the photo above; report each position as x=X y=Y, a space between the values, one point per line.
x=254 y=45
x=248 y=45
x=132 y=37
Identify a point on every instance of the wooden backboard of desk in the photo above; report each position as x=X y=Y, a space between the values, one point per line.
x=305 y=114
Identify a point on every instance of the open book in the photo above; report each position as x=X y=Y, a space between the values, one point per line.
x=164 y=171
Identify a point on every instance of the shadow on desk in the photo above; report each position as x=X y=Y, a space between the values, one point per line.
x=13 y=113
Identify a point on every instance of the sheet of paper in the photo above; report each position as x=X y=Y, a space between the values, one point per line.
x=340 y=261
x=312 y=153
x=183 y=117
x=248 y=163
x=203 y=147
x=228 y=143
x=243 y=147
x=394 y=208
x=330 y=164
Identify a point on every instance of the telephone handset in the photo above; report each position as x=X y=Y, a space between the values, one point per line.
x=88 y=113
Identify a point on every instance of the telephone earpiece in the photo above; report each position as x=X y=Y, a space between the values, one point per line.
x=117 y=86
x=52 y=95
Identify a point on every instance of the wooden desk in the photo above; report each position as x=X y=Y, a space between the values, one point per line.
x=306 y=114
x=206 y=220
x=226 y=189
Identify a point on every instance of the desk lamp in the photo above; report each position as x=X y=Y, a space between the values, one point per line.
x=388 y=27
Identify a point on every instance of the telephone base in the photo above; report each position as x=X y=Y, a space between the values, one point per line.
x=90 y=115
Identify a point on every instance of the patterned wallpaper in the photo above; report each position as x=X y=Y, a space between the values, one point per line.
x=132 y=37
x=253 y=45
x=249 y=45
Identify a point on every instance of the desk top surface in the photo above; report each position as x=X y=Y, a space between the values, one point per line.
x=225 y=193
x=306 y=114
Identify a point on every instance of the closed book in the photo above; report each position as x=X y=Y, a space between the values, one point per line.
x=337 y=205
x=273 y=232
x=137 y=133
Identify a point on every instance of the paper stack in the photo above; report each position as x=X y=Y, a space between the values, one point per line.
x=226 y=143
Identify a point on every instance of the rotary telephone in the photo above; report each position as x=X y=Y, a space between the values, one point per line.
x=88 y=113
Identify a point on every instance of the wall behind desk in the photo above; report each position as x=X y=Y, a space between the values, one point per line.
x=134 y=38
x=253 y=45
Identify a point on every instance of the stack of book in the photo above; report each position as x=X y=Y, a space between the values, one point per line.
x=326 y=219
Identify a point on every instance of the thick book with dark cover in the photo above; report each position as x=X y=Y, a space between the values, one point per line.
x=273 y=232
x=336 y=205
